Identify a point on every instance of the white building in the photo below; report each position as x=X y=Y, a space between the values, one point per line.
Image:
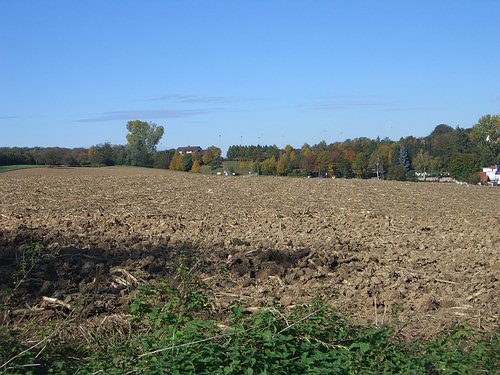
x=491 y=174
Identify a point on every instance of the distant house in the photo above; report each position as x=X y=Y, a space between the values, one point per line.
x=190 y=150
x=491 y=174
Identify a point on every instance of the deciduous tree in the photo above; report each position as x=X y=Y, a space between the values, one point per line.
x=177 y=162
x=422 y=162
x=360 y=165
x=142 y=140
x=486 y=135
x=196 y=167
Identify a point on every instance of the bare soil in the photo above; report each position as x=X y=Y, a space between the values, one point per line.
x=370 y=248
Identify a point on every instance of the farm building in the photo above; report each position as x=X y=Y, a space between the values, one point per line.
x=190 y=150
x=491 y=174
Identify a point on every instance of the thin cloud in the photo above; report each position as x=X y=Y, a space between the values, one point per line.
x=145 y=114
x=347 y=101
x=8 y=117
x=350 y=102
x=197 y=99
x=351 y=105
x=422 y=108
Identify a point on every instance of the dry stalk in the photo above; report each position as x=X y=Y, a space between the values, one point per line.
x=445 y=281
x=477 y=294
x=274 y=310
x=26 y=350
x=55 y=301
x=41 y=351
x=97 y=279
x=23 y=366
x=301 y=320
x=54 y=333
x=128 y=275
x=187 y=344
x=383 y=316
x=198 y=341
x=28 y=311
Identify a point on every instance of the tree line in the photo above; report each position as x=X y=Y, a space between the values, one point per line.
x=447 y=151
x=140 y=150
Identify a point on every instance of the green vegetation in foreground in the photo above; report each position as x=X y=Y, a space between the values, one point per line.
x=7 y=168
x=172 y=329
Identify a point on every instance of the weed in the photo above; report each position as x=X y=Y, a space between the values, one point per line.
x=172 y=329
x=26 y=260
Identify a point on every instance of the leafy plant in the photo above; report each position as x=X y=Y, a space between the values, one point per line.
x=172 y=329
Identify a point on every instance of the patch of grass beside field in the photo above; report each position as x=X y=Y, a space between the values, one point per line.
x=230 y=166
x=7 y=168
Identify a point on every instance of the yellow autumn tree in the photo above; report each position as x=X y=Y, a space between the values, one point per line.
x=269 y=166
x=242 y=165
x=177 y=163
x=207 y=157
x=196 y=167
x=281 y=167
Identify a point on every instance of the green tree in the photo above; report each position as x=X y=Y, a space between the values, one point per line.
x=343 y=168
x=142 y=139
x=486 y=135
x=404 y=158
x=397 y=172
x=101 y=155
x=464 y=167
x=162 y=159
x=440 y=130
x=187 y=162
x=120 y=155
x=436 y=166
x=269 y=166
x=360 y=164
x=212 y=157
x=422 y=162
x=51 y=156
x=324 y=163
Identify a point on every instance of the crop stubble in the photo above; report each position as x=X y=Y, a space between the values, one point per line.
x=366 y=247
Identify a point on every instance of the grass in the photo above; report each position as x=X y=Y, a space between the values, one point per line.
x=7 y=168
x=230 y=166
x=172 y=328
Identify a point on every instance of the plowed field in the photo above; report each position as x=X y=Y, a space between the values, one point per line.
x=427 y=253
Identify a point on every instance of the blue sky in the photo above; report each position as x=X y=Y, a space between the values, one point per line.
x=72 y=73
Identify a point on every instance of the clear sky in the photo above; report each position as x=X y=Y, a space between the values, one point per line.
x=72 y=73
